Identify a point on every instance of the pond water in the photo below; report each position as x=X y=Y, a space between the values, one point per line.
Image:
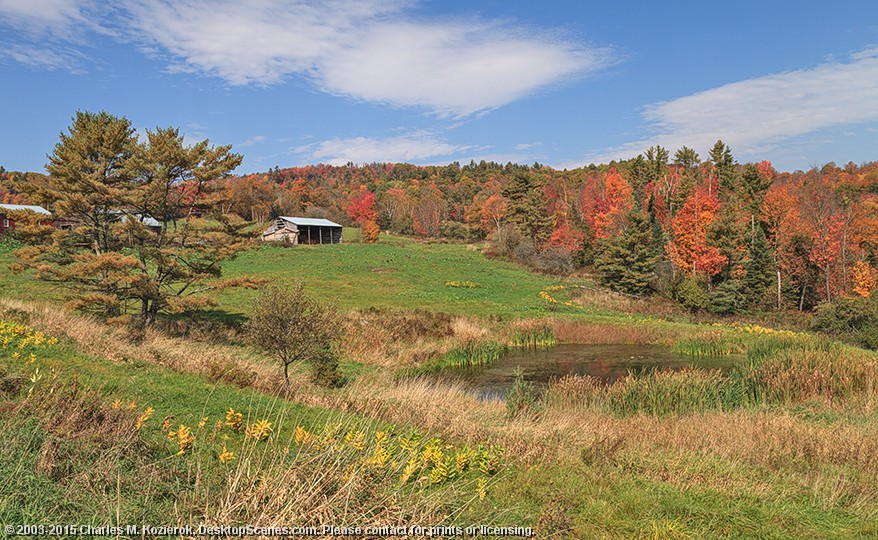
x=607 y=363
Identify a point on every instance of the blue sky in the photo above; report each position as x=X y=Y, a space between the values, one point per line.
x=564 y=83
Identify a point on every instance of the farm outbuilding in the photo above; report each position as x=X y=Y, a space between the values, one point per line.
x=296 y=230
x=7 y=222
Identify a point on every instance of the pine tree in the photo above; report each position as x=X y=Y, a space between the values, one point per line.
x=142 y=237
x=724 y=169
x=626 y=263
x=759 y=277
x=527 y=208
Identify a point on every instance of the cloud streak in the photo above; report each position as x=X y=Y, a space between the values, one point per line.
x=410 y=148
x=761 y=111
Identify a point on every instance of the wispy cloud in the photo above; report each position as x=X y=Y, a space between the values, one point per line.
x=750 y=114
x=252 y=140
x=49 y=34
x=370 y=50
x=42 y=57
x=411 y=148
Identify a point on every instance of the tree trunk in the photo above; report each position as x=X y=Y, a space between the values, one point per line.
x=778 y=288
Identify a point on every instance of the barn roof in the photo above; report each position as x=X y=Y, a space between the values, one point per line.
x=31 y=207
x=310 y=222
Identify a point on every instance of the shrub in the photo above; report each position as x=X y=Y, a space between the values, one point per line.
x=523 y=252
x=522 y=397
x=291 y=326
x=855 y=319
x=453 y=229
x=370 y=232
x=503 y=241
x=553 y=261
x=691 y=295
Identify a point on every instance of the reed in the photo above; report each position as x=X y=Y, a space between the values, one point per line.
x=659 y=393
x=468 y=354
x=539 y=337
x=798 y=374
x=713 y=344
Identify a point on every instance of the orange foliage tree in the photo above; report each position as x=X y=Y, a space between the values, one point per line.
x=689 y=249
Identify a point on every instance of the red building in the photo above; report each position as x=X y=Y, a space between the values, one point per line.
x=7 y=222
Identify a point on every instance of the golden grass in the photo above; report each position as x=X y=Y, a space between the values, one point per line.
x=92 y=337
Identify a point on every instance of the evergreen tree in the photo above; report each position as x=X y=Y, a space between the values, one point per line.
x=527 y=208
x=687 y=158
x=753 y=188
x=657 y=162
x=626 y=263
x=757 y=283
x=724 y=169
x=728 y=233
x=141 y=237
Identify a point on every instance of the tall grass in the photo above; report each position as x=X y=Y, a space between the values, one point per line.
x=654 y=393
x=469 y=354
x=715 y=344
x=71 y=455
x=780 y=370
x=538 y=337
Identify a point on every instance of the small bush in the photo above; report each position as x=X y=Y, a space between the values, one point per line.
x=370 y=232
x=691 y=295
x=854 y=319
x=554 y=260
x=522 y=398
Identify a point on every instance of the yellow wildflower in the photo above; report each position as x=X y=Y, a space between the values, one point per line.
x=259 y=430
x=141 y=420
x=226 y=456
x=234 y=420
x=302 y=436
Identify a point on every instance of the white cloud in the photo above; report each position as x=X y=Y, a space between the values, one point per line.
x=252 y=140
x=411 y=148
x=42 y=57
x=42 y=14
x=368 y=50
x=750 y=114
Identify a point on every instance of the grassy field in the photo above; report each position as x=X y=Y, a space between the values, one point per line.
x=397 y=273
x=784 y=447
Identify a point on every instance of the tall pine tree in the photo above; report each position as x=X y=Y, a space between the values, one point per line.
x=626 y=263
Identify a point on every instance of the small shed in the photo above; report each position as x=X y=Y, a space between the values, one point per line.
x=7 y=222
x=297 y=230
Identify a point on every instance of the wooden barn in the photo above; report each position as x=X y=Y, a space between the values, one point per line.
x=7 y=222
x=297 y=230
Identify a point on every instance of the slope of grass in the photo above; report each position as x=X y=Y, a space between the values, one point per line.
x=395 y=273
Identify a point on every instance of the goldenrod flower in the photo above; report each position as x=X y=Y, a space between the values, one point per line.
x=141 y=420
x=226 y=456
x=259 y=430
x=234 y=419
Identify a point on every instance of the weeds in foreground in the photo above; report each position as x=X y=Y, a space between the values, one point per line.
x=252 y=468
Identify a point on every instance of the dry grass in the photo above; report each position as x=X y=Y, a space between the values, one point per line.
x=215 y=362
x=607 y=300
x=595 y=333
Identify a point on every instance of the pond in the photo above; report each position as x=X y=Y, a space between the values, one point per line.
x=607 y=363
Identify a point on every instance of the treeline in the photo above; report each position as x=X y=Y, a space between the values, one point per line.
x=715 y=234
